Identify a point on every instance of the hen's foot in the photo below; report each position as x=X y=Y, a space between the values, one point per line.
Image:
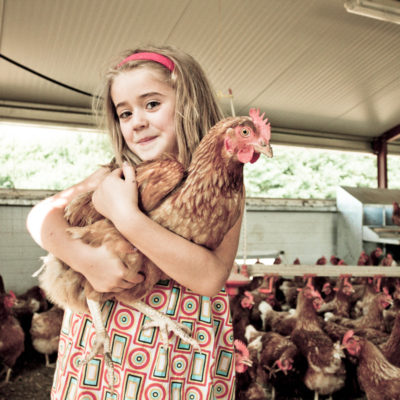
x=102 y=343
x=48 y=363
x=7 y=371
x=166 y=325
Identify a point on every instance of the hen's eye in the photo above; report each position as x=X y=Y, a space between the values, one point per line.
x=245 y=132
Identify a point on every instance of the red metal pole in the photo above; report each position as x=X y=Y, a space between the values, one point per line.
x=379 y=146
x=380 y=149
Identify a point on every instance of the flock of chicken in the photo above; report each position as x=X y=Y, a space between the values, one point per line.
x=314 y=336
x=27 y=323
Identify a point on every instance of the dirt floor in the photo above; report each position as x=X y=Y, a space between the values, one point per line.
x=30 y=379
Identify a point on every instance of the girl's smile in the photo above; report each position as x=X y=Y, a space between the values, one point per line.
x=145 y=106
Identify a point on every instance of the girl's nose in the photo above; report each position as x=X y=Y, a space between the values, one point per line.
x=139 y=120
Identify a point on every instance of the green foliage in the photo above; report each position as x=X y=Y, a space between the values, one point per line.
x=44 y=158
x=310 y=173
x=49 y=158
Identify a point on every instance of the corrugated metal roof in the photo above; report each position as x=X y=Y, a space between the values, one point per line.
x=323 y=76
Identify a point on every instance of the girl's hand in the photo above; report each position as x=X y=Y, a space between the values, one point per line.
x=106 y=273
x=117 y=194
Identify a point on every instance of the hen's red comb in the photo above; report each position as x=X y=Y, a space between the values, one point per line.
x=347 y=336
x=385 y=290
x=241 y=347
x=261 y=124
x=249 y=295
x=326 y=285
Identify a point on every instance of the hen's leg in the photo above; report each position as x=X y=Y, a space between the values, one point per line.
x=165 y=324
x=8 y=375
x=101 y=340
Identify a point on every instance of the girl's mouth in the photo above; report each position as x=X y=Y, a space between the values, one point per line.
x=146 y=140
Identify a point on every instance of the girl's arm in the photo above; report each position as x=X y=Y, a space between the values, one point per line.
x=47 y=226
x=194 y=266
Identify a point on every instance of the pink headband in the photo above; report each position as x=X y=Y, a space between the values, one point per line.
x=151 y=57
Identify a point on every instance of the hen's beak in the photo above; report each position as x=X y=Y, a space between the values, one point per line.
x=247 y=361
x=263 y=147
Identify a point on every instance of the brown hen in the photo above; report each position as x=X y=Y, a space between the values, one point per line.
x=379 y=379
x=11 y=334
x=209 y=194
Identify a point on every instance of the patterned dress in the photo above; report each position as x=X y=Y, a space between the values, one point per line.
x=144 y=369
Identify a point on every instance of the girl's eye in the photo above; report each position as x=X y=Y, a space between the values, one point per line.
x=124 y=114
x=152 y=104
x=245 y=132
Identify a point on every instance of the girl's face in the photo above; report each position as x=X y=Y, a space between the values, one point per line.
x=145 y=107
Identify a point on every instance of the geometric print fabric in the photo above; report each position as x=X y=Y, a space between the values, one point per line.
x=144 y=369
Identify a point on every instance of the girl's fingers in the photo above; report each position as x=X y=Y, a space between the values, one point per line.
x=117 y=172
x=134 y=277
x=129 y=172
x=124 y=285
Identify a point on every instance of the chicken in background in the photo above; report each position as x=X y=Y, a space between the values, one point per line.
x=390 y=314
x=334 y=260
x=336 y=333
x=242 y=357
x=388 y=261
x=327 y=292
x=241 y=306
x=321 y=282
x=321 y=261
x=11 y=334
x=209 y=193
x=282 y=322
x=280 y=364
x=325 y=372
x=33 y=300
x=376 y=256
x=391 y=347
x=364 y=259
x=378 y=378
x=340 y=305
x=365 y=290
x=289 y=290
x=373 y=319
x=246 y=375
x=45 y=331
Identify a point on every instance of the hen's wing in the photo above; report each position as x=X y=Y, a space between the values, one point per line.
x=156 y=179
x=315 y=346
x=81 y=212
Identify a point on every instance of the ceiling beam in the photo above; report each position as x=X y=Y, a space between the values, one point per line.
x=379 y=146
x=391 y=135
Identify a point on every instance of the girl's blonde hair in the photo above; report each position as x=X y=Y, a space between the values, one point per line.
x=196 y=108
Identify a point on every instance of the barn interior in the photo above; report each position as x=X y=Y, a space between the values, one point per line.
x=326 y=73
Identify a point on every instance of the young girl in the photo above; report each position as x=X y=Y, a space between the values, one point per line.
x=157 y=100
